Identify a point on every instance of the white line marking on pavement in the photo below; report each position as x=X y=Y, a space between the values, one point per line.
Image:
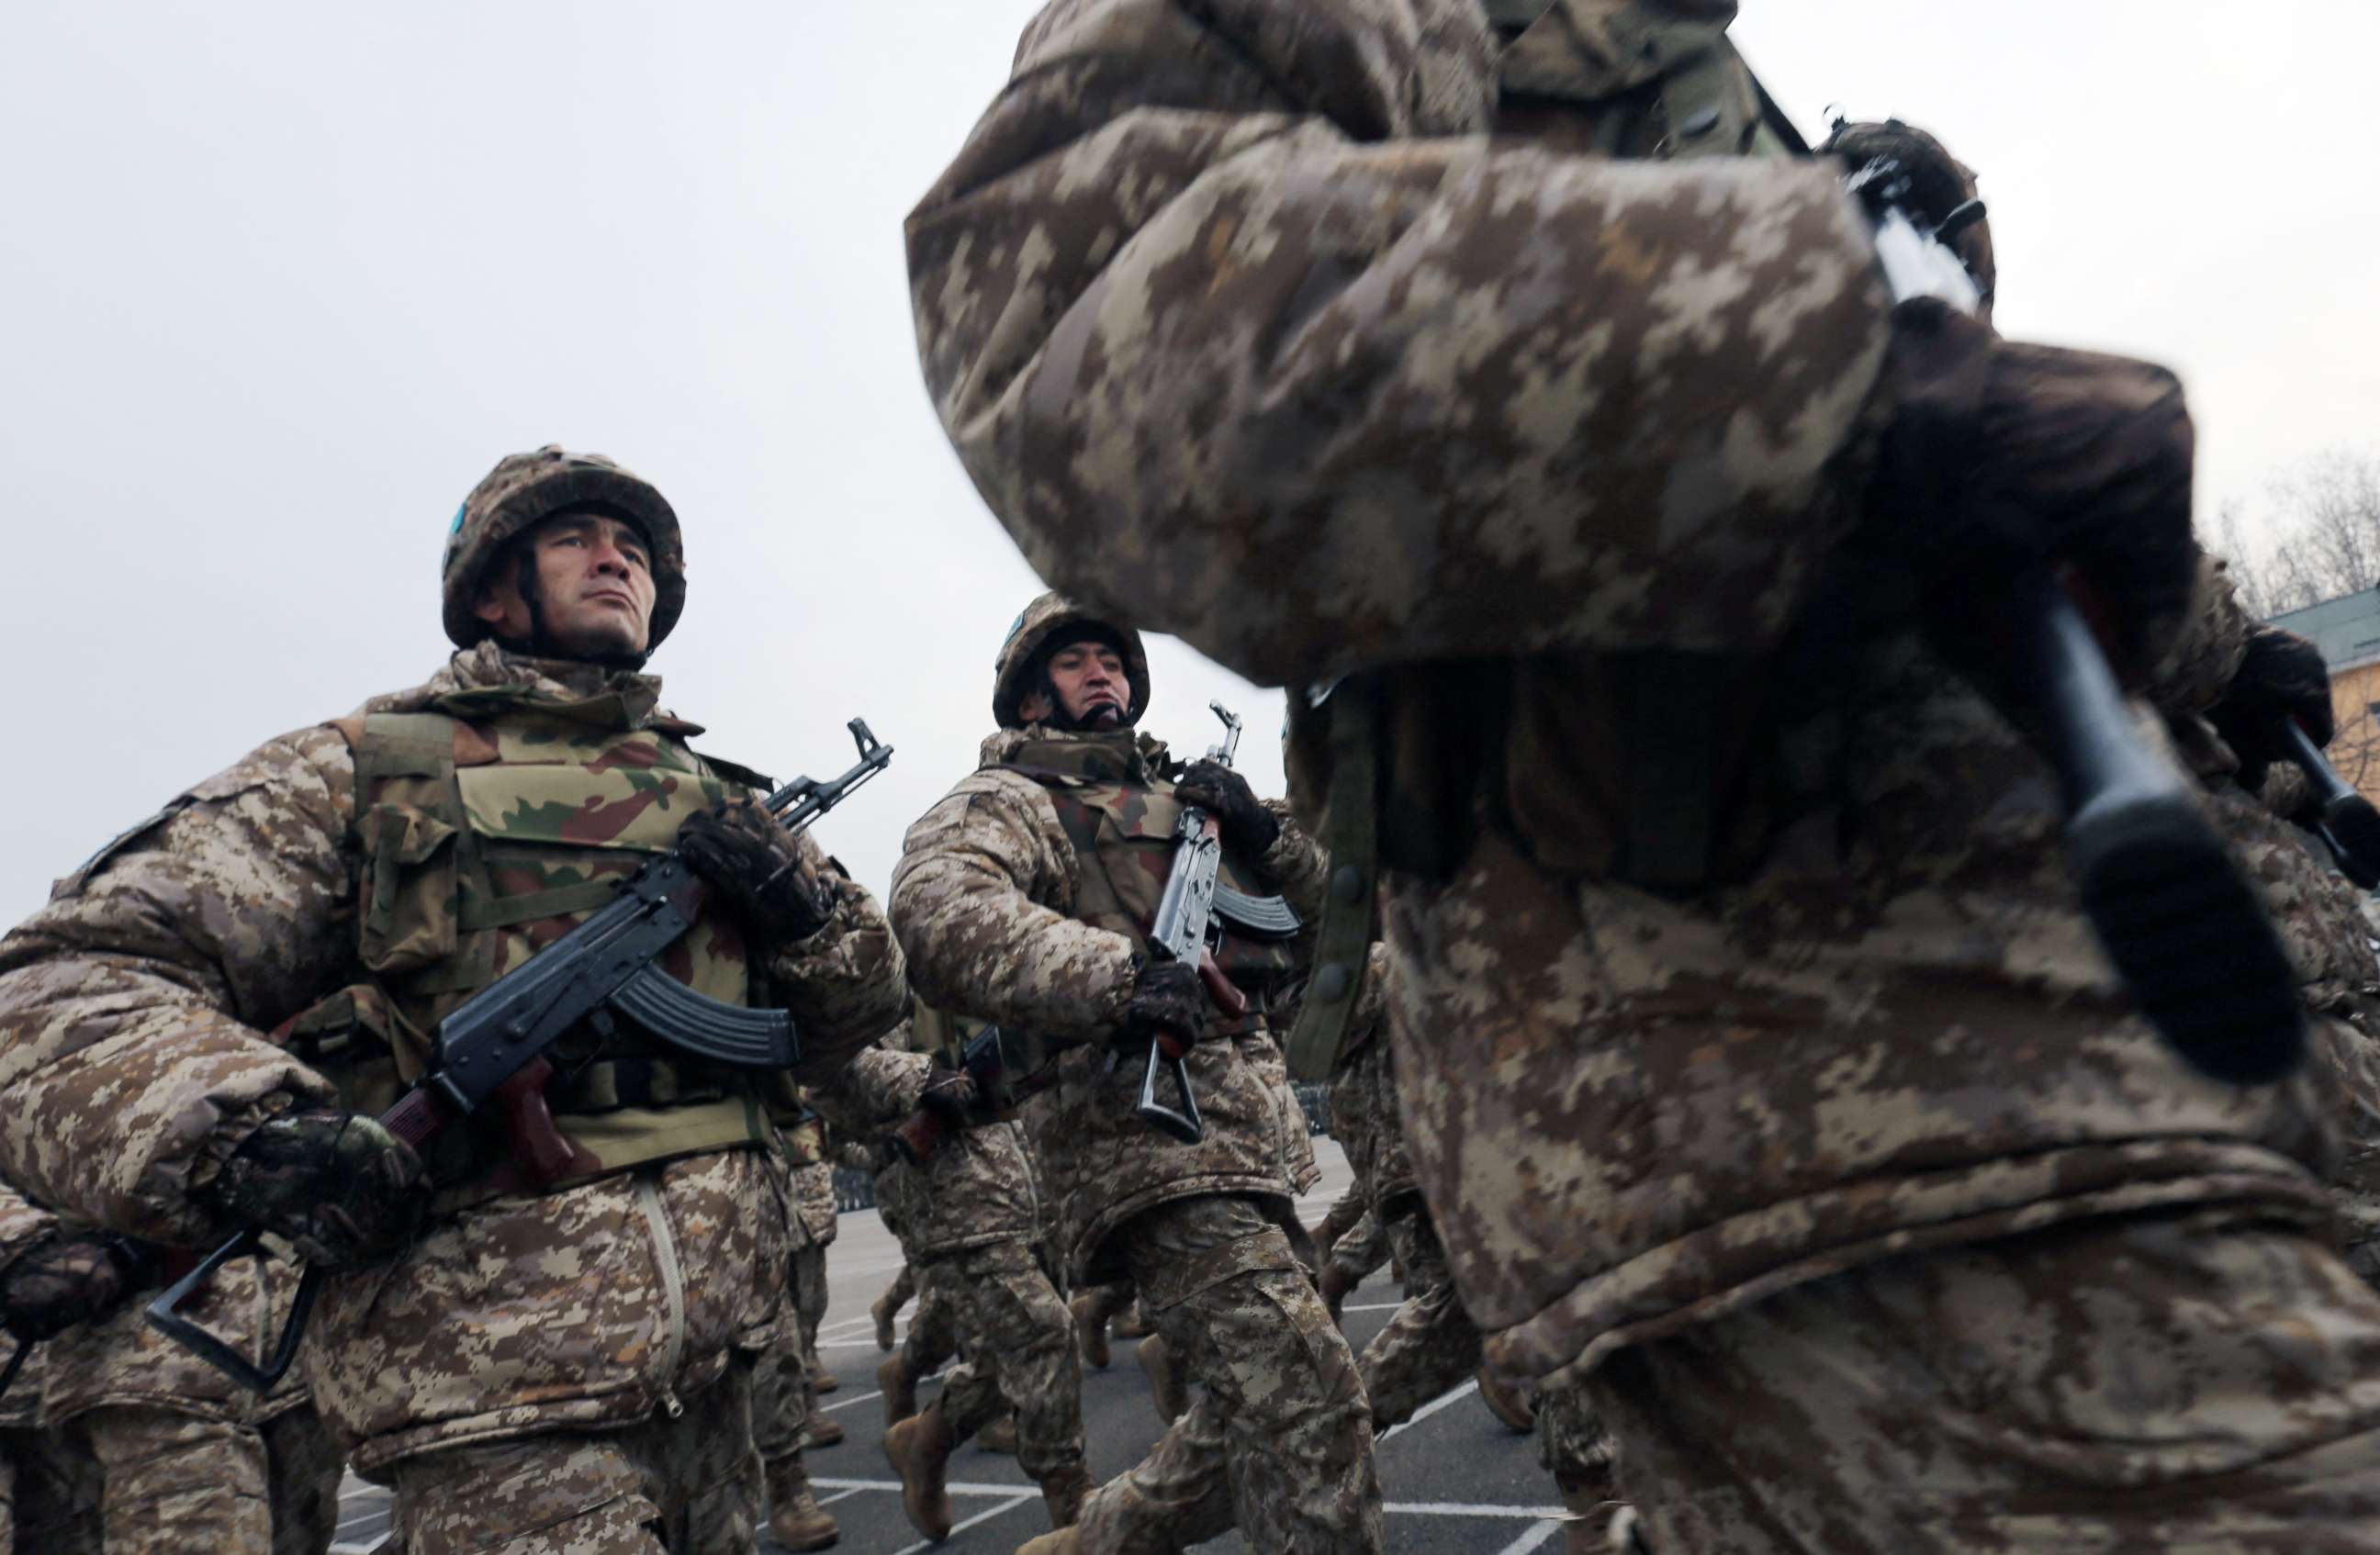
x=1000 y=1511
x=1542 y=1534
x=847 y=1402
x=1471 y=1509
x=894 y=1485
x=838 y=1496
x=1375 y=1307
x=1432 y=1408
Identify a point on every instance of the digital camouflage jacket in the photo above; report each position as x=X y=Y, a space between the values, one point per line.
x=134 y=1058
x=977 y=1189
x=986 y=900
x=1247 y=333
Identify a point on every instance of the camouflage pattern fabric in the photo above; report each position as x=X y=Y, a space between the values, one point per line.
x=1574 y=1447
x=1019 y=1347
x=1278 y=1439
x=814 y=1198
x=2208 y=1386
x=167 y=1483
x=1429 y=1346
x=234 y=910
x=1263 y=1053
x=983 y=899
x=781 y=1399
x=932 y=1337
x=49 y=1495
x=685 y=1484
x=1363 y=1250
x=978 y=1188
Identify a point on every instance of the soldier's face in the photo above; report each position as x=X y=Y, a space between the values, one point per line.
x=1089 y=679
x=594 y=589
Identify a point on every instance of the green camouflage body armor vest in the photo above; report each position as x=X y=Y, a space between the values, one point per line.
x=488 y=829
x=1119 y=816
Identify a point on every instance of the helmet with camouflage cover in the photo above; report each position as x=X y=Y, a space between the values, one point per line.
x=1017 y=670
x=523 y=490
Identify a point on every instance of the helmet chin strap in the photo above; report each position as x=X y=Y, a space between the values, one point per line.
x=539 y=644
x=1060 y=718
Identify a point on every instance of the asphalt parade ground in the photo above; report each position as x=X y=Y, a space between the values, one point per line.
x=1454 y=1478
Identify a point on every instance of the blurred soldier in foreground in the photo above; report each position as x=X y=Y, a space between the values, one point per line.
x=535 y=1367
x=1760 y=1070
x=1024 y=898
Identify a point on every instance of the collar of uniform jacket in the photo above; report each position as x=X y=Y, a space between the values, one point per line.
x=1588 y=50
x=486 y=680
x=1093 y=756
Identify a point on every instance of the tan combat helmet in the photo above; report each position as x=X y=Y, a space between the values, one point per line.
x=1013 y=673
x=523 y=490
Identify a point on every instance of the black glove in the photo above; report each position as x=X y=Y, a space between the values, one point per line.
x=2002 y=458
x=1247 y=826
x=743 y=853
x=1938 y=184
x=69 y=1280
x=1167 y=1000
x=338 y=1184
x=951 y=1095
x=2282 y=676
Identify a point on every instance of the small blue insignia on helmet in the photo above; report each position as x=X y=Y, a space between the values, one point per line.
x=456 y=528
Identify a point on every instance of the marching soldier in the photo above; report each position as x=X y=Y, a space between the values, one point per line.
x=1025 y=897
x=200 y=1029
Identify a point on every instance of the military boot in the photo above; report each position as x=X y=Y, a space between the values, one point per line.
x=900 y=1389
x=1090 y=1330
x=824 y=1430
x=1058 y=1541
x=796 y=1520
x=882 y=1310
x=1165 y=1383
x=1508 y=1402
x=825 y=1382
x=1133 y=1322
x=920 y=1450
x=998 y=1437
x=1063 y=1493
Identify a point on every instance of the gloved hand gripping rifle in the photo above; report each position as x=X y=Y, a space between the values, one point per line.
x=2188 y=932
x=492 y=1047
x=2346 y=821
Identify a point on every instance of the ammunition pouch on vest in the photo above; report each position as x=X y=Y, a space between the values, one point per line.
x=482 y=841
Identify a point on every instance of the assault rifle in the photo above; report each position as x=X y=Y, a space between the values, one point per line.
x=492 y=1047
x=1001 y=1070
x=2346 y=820
x=2185 y=929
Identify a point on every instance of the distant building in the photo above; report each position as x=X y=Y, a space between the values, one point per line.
x=2347 y=632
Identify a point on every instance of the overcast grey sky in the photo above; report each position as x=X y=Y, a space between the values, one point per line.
x=279 y=280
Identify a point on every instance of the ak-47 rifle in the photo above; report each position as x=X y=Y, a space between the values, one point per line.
x=492 y=1047
x=1002 y=1071
x=2346 y=820
x=2185 y=929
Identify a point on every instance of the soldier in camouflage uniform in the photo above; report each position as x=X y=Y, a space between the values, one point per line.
x=1024 y=897
x=969 y=1221
x=1759 y=1068
x=197 y=1033
x=785 y=1418
x=126 y=1442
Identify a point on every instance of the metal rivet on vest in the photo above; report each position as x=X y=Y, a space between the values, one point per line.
x=1347 y=885
x=1699 y=124
x=1330 y=983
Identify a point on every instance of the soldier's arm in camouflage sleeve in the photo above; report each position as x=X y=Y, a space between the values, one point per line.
x=1244 y=335
x=133 y=1007
x=844 y=984
x=968 y=902
x=23 y=1225
x=1296 y=862
x=879 y=1089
